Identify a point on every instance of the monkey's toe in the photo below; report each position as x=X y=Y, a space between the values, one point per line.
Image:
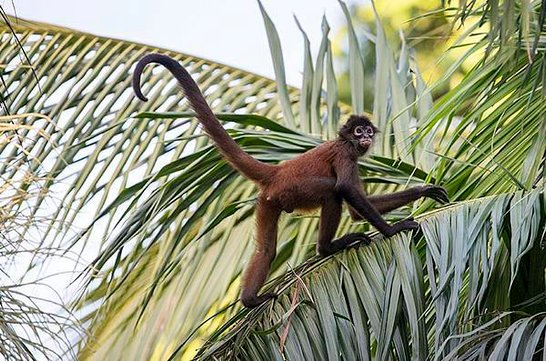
x=251 y=301
x=347 y=240
x=325 y=251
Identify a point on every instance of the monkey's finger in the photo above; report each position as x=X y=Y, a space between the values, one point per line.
x=443 y=195
x=442 y=198
x=439 y=194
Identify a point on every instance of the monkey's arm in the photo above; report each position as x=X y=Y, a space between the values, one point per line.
x=349 y=188
x=387 y=202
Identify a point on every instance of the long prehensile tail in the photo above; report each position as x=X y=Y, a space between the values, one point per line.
x=251 y=168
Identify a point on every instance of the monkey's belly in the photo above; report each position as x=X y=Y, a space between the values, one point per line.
x=299 y=205
x=303 y=198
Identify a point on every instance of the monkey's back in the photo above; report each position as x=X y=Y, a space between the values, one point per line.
x=303 y=182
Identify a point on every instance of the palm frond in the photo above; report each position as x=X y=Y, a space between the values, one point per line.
x=30 y=326
x=371 y=301
x=93 y=145
x=524 y=338
x=494 y=119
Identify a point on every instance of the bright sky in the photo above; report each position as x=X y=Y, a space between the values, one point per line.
x=227 y=31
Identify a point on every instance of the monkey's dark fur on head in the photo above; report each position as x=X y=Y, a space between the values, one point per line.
x=323 y=177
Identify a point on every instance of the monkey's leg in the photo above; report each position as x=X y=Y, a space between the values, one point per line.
x=267 y=218
x=387 y=202
x=329 y=221
x=354 y=196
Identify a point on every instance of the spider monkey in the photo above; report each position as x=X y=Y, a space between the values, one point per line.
x=322 y=177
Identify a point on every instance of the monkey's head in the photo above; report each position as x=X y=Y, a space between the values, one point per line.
x=359 y=131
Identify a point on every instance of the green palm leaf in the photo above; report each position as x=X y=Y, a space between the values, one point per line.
x=494 y=119
x=371 y=301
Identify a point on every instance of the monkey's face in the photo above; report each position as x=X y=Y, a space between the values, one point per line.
x=359 y=131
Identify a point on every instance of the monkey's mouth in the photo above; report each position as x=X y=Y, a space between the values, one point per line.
x=364 y=143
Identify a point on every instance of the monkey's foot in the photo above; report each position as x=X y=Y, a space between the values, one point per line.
x=351 y=238
x=254 y=301
x=342 y=243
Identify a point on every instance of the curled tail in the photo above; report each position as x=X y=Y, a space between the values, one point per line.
x=251 y=168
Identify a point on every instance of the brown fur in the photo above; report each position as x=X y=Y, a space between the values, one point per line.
x=323 y=178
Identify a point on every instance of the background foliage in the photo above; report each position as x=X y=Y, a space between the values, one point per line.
x=423 y=28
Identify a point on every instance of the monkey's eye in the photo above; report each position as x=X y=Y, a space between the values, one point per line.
x=369 y=130
x=359 y=130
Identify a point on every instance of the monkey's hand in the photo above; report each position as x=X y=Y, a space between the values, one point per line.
x=439 y=194
x=405 y=225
